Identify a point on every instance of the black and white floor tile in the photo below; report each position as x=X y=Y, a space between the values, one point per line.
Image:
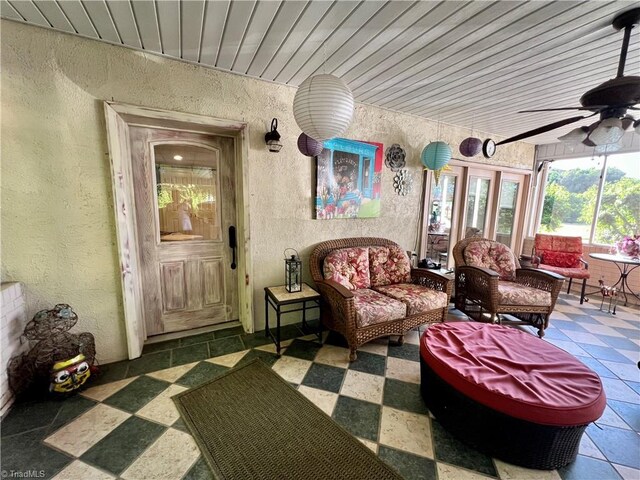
x=126 y=426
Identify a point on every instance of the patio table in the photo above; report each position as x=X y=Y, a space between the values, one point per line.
x=625 y=265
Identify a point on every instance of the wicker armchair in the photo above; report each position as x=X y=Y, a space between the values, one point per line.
x=338 y=308
x=527 y=294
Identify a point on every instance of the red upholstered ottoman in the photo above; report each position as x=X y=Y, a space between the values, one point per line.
x=507 y=393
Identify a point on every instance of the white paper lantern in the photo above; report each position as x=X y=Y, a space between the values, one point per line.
x=323 y=106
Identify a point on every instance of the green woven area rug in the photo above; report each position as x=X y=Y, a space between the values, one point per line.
x=251 y=424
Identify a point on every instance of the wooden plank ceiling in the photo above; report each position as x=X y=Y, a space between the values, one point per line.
x=473 y=63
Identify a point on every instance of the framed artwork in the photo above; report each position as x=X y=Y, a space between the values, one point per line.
x=348 y=179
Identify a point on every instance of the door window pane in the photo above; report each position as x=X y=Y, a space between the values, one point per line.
x=187 y=194
x=441 y=208
x=477 y=200
x=619 y=213
x=569 y=197
x=507 y=211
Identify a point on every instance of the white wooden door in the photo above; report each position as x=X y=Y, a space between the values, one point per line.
x=441 y=216
x=184 y=191
x=509 y=211
x=478 y=203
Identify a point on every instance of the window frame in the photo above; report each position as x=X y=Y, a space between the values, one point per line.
x=541 y=166
x=463 y=169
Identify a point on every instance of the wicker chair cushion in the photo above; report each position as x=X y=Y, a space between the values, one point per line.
x=373 y=307
x=418 y=299
x=566 y=272
x=514 y=373
x=511 y=293
x=349 y=267
x=561 y=259
x=389 y=265
x=496 y=256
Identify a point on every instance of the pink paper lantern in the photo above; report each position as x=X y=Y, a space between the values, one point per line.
x=470 y=147
x=309 y=146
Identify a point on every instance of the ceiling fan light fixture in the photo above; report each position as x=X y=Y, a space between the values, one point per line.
x=609 y=131
x=608 y=148
x=610 y=99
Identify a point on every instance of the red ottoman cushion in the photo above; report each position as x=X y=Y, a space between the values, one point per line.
x=514 y=372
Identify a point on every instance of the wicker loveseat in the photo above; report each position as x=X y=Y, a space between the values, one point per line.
x=490 y=283
x=369 y=290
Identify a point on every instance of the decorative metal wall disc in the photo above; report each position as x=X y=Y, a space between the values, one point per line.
x=403 y=182
x=395 y=157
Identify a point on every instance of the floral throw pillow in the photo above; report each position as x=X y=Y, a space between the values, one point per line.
x=493 y=255
x=561 y=259
x=389 y=265
x=349 y=267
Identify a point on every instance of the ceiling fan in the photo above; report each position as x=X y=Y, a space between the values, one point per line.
x=610 y=99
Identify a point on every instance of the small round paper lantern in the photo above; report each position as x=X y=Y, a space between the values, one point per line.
x=436 y=155
x=470 y=147
x=323 y=106
x=309 y=146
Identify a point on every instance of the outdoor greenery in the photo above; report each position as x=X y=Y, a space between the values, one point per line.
x=194 y=195
x=570 y=197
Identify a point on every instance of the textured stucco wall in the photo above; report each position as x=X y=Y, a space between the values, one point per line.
x=58 y=230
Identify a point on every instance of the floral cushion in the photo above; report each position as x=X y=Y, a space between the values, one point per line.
x=418 y=299
x=580 y=273
x=511 y=293
x=349 y=267
x=561 y=259
x=373 y=307
x=493 y=255
x=557 y=243
x=389 y=265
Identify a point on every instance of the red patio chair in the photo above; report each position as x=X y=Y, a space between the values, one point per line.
x=562 y=255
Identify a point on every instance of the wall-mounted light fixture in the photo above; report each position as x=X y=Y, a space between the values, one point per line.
x=272 y=138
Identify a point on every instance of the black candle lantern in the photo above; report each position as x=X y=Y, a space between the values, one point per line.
x=292 y=272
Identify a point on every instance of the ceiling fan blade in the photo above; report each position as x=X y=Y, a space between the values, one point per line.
x=590 y=107
x=546 y=128
x=552 y=109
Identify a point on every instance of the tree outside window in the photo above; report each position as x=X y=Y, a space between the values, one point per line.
x=571 y=197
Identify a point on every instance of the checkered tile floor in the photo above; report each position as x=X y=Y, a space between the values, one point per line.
x=127 y=426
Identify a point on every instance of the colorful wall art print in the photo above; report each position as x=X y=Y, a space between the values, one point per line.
x=348 y=179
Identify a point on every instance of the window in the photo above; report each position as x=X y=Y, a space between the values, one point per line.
x=477 y=200
x=186 y=190
x=442 y=208
x=576 y=204
x=507 y=212
x=619 y=213
x=472 y=200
